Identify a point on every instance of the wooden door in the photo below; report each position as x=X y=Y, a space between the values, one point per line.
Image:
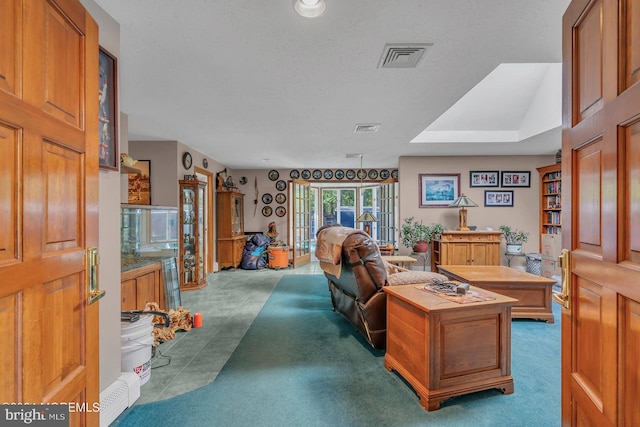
x=48 y=203
x=300 y=222
x=601 y=187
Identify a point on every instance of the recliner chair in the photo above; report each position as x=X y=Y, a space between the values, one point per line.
x=356 y=274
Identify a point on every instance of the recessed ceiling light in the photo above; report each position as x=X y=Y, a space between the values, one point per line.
x=309 y=8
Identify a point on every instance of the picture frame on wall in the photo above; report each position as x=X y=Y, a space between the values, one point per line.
x=516 y=179
x=484 y=179
x=498 y=198
x=107 y=121
x=438 y=190
x=139 y=189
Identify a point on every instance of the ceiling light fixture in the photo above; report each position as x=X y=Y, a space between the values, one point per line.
x=309 y=8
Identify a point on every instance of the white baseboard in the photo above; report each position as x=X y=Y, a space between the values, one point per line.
x=120 y=395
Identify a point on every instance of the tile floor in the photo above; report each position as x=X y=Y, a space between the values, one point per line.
x=229 y=304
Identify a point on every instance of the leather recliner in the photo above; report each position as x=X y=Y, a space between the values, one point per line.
x=356 y=274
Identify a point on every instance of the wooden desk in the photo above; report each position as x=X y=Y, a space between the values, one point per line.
x=399 y=260
x=445 y=349
x=533 y=292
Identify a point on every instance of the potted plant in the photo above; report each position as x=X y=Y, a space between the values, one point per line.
x=417 y=236
x=514 y=238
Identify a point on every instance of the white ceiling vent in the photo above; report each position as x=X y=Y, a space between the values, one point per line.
x=367 y=128
x=403 y=55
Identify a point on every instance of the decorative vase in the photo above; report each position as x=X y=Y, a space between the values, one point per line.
x=514 y=248
x=421 y=247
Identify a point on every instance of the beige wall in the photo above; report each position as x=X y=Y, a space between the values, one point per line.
x=523 y=215
x=109 y=242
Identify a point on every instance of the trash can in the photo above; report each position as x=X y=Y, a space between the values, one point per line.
x=278 y=257
x=534 y=263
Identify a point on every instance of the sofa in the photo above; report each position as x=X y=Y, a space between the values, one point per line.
x=356 y=274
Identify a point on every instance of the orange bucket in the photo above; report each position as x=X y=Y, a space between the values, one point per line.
x=279 y=257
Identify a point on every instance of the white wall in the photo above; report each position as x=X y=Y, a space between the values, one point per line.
x=523 y=215
x=109 y=214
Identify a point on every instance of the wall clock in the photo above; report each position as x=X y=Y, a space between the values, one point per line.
x=187 y=160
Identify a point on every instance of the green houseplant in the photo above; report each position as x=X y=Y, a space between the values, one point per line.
x=417 y=236
x=514 y=238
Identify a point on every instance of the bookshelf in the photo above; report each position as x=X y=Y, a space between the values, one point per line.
x=550 y=199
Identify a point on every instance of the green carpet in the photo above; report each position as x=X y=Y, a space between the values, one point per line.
x=301 y=364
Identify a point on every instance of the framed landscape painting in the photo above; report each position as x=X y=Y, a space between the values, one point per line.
x=438 y=190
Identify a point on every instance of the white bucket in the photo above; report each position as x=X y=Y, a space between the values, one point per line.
x=137 y=340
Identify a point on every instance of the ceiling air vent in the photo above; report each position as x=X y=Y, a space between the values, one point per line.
x=403 y=55
x=367 y=128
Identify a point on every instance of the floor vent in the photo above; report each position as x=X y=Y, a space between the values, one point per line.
x=403 y=55
x=367 y=128
x=118 y=396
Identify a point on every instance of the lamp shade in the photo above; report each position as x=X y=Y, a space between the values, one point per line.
x=463 y=202
x=366 y=217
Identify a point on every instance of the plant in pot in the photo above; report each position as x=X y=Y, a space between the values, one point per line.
x=417 y=236
x=514 y=238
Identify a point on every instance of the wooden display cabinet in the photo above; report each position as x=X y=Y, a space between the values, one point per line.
x=230 y=228
x=191 y=263
x=142 y=285
x=466 y=248
x=550 y=199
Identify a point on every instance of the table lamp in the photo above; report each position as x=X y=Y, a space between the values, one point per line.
x=463 y=202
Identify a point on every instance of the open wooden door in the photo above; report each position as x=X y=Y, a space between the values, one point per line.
x=300 y=222
x=48 y=204
x=601 y=188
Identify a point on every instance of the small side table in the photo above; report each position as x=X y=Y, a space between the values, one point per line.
x=425 y=256
x=509 y=256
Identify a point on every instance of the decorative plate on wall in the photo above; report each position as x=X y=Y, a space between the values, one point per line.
x=281 y=198
x=317 y=174
x=281 y=211
x=266 y=198
x=394 y=174
x=273 y=175
x=373 y=174
x=362 y=174
x=339 y=174
x=294 y=174
x=384 y=174
x=351 y=174
x=305 y=174
x=328 y=174
x=281 y=185
x=267 y=211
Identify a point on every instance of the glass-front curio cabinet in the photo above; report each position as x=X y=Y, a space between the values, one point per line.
x=192 y=265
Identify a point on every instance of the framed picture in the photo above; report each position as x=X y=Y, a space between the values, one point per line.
x=498 y=198
x=484 y=179
x=140 y=184
x=516 y=179
x=437 y=190
x=107 y=130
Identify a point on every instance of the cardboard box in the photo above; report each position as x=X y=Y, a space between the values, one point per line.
x=551 y=246
x=550 y=268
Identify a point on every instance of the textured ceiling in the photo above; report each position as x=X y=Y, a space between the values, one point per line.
x=243 y=81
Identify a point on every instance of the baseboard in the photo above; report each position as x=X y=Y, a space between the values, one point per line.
x=120 y=395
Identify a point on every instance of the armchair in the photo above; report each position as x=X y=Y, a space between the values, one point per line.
x=356 y=273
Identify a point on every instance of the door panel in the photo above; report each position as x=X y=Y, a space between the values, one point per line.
x=49 y=194
x=601 y=184
x=300 y=221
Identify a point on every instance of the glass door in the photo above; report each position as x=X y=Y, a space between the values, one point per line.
x=300 y=206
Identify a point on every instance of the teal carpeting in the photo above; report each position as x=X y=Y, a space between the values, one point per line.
x=301 y=364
